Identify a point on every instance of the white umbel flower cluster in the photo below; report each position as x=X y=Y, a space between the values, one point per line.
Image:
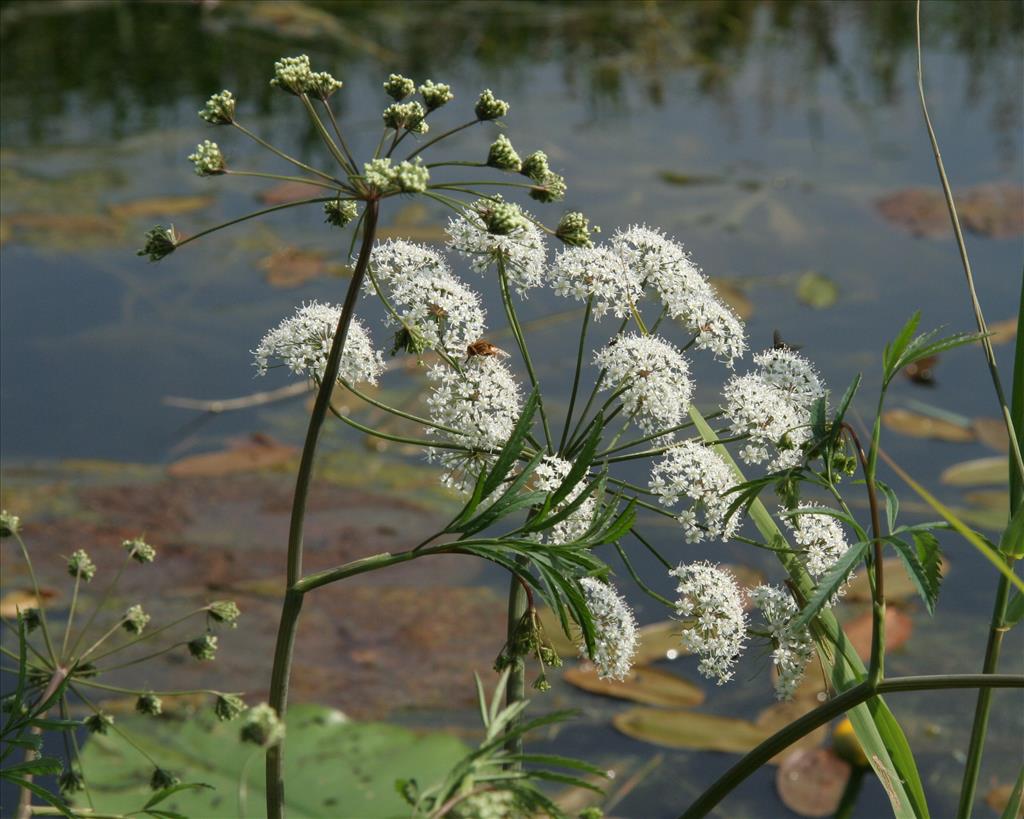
x=792 y=650
x=819 y=538
x=654 y=379
x=710 y=599
x=431 y=302
x=694 y=471
x=303 y=342
x=772 y=406
x=550 y=473
x=598 y=273
x=481 y=403
x=615 y=630
x=521 y=250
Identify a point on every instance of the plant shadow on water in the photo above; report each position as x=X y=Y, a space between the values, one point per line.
x=781 y=142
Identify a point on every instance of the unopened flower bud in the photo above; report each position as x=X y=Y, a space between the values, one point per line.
x=135 y=620
x=262 y=726
x=503 y=156
x=224 y=611
x=405 y=116
x=203 y=648
x=378 y=172
x=321 y=85
x=535 y=166
x=139 y=550
x=574 y=229
x=411 y=177
x=71 y=781
x=489 y=107
x=9 y=524
x=228 y=706
x=98 y=723
x=340 y=212
x=501 y=218
x=79 y=565
x=551 y=189
x=398 y=87
x=219 y=109
x=163 y=779
x=160 y=242
x=149 y=704
x=208 y=159
x=292 y=74
x=435 y=94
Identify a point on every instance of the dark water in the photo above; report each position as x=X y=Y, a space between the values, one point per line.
x=786 y=121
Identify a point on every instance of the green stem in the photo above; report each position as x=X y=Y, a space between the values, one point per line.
x=285 y=156
x=54 y=659
x=71 y=616
x=252 y=215
x=439 y=137
x=516 y=690
x=149 y=635
x=337 y=131
x=324 y=136
x=823 y=714
x=398 y=439
x=286 y=178
x=576 y=375
x=361 y=566
x=637 y=579
x=101 y=603
x=292 y=605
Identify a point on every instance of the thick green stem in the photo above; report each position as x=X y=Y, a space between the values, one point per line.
x=516 y=690
x=293 y=599
x=823 y=714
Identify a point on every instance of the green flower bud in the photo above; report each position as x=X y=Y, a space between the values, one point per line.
x=228 y=706
x=535 y=166
x=407 y=341
x=139 y=550
x=574 y=229
x=377 y=173
x=435 y=94
x=79 y=565
x=32 y=619
x=499 y=217
x=503 y=156
x=160 y=242
x=551 y=189
x=71 y=781
x=98 y=723
x=203 y=648
x=489 y=107
x=208 y=159
x=163 y=779
x=411 y=177
x=321 y=85
x=591 y=813
x=292 y=74
x=340 y=212
x=398 y=87
x=149 y=704
x=262 y=726
x=219 y=109
x=406 y=116
x=9 y=524
x=135 y=620
x=224 y=611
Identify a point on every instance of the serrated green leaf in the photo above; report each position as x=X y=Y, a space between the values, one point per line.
x=830 y=584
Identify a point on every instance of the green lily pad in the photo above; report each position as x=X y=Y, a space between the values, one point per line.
x=816 y=290
x=333 y=767
x=651 y=686
x=690 y=730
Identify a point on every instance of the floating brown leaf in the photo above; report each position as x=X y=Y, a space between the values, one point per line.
x=1003 y=331
x=995 y=210
x=998 y=798
x=976 y=472
x=922 y=211
x=285 y=192
x=690 y=729
x=992 y=433
x=159 y=206
x=922 y=371
x=248 y=455
x=916 y=425
x=65 y=223
x=22 y=599
x=292 y=266
x=651 y=686
x=412 y=222
x=898 y=628
x=811 y=782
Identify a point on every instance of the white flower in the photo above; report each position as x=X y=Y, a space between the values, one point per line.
x=793 y=650
x=711 y=601
x=481 y=403
x=303 y=342
x=599 y=273
x=684 y=290
x=615 y=630
x=772 y=407
x=654 y=379
x=521 y=250
x=819 y=537
x=696 y=472
x=434 y=305
x=549 y=474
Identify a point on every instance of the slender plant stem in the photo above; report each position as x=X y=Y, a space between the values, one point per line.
x=324 y=136
x=823 y=714
x=293 y=599
x=576 y=375
x=71 y=615
x=101 y=603
x=337 y=132
x=149 y=635
x=252 y=215
x=54 y=659
x=285 y=156
x=439 y=137
x=284 y=178
x=398 y=439
x=639 y=581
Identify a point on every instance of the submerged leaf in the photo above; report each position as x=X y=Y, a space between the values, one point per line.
x=811 y=782
x=660 y=641
x=816 y=290
x=915 y=425
x=691 y=730
x=898 y=628
x=248 y=455
x=651 y=686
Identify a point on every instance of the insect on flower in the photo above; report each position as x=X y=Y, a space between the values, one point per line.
x=483 y=348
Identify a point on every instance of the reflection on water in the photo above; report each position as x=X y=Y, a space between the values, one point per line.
x=761 y=134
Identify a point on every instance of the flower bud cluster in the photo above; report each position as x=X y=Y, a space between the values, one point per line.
x=520 y=251
x=398 y=87
x=503 y=156
x=208 y=159
x=296 y=76
x=81 y=566
x=435 y=94
x=135 y=620
x=159 y=242
x=9 y=524
x=489 y=107
x=262 y=726
x=407 y=177
x=140 y=551
x=340 y=212
x=219 y=109
x=574 y=230
x=406 y=116
x=204 y=647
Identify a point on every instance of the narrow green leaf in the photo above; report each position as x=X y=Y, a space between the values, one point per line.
x=1013 y=804
x=892 y=504
x=895 y=348
x=161 y=795
x=1012 y=542
x=1015 y=609
x=925 y=581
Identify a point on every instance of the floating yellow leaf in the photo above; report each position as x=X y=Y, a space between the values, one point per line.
x=692 y=730
x=976 y=472
x=651 y=686
x=916 y=425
